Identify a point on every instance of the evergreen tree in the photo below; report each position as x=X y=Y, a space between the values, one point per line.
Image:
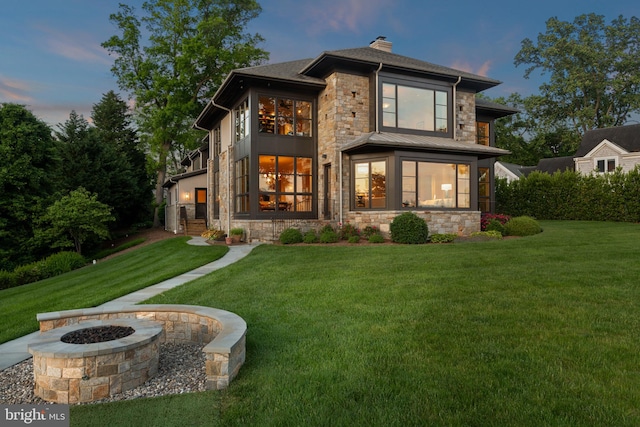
x=29 y=176
x=133 y=188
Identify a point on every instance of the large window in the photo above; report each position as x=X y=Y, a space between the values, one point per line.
x=285 y=184
x=284 y=116
x=242 y=122
x=242 y=185
x=435 y=185
x=370 y=185
x=414 y=108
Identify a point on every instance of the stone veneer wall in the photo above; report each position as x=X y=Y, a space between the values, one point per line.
x=222 y=332
x=465 y=123
x=462 y=223
x=77 y=373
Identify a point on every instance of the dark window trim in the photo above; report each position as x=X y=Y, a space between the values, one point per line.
x=420 y=84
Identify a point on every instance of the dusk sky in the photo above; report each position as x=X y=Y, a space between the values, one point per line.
x=52 y=62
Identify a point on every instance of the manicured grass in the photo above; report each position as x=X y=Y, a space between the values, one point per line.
x=542 y=330
x=96 y=284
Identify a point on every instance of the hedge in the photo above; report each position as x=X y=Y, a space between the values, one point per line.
x=570 y=195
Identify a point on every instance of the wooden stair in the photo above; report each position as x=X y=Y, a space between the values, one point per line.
x=194 y=227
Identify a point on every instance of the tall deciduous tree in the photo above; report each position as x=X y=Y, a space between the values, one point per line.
x=593 y=71
x=191 y=46
x=29 y=175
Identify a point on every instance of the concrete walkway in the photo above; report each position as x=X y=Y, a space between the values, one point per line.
x=13 y=352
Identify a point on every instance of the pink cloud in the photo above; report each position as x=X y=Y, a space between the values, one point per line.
x=341 y=15
x=16 y=91
x=482 y=70
x=76 y=46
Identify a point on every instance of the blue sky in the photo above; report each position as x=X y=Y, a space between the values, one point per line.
x=51 y=59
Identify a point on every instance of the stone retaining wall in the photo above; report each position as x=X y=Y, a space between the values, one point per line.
x=223 y=332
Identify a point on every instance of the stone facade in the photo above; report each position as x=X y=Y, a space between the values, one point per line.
x=79 y=373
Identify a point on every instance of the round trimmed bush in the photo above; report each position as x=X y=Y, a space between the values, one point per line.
x=522 y=226
x=495 y=225
x=63 y=262
x=291 y=235
x=310 y=237
x=409 y=228
x=329 y=236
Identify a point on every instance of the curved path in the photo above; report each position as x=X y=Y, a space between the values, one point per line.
x=13 y=352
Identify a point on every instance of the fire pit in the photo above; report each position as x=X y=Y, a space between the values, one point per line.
x=95 y=359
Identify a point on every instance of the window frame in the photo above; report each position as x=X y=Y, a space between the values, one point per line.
x=242 y=121
x=605 y=164
x=285 y=201
x=269 y=123
x=365 y=201
x=457 y=180
x=421 y=85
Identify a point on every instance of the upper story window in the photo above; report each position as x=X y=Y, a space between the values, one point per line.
x=482 y=133
x=415 y=108
x=241 y=114
x=284 y=116
x=606 y=165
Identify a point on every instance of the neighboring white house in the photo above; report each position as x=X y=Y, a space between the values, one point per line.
x=601 y=150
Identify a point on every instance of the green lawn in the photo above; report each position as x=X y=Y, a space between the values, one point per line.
x=536 y=331
x=96 y=284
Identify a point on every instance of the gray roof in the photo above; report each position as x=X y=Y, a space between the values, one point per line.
x=495 y=109
x=552 y=165
x=627 y=137
x=517 y=170
x=422 y=142
x=371 y=57
x=286 y=71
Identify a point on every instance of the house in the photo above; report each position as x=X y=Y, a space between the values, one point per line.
x=601 y=150
x=186 y=194
x=355 y=135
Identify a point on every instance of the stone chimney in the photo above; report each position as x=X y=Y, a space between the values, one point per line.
x=381 y=43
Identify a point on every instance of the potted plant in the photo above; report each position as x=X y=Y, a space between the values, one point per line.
x=236 y=234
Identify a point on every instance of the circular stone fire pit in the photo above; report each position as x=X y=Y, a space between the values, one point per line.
x=100 y=358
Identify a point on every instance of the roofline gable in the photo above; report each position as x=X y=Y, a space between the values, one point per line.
x=606 y=143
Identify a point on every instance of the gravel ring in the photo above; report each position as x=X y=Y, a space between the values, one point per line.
x=181 y=369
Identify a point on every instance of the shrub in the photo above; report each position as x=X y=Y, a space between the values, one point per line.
x=310 y=237
x=409 y=228
x=213 y=234
x=376 y=238
x=495 y=225
x=443 y=238
x=490 y=234
x=347 y=231
x=487 y=218
x=291 y=235
x=62 y=262
x=29 y=273
x=329 y=236
x=7 y=279
x=325 y=228
x=354 y=239
x=369 y=231
x=522 y=226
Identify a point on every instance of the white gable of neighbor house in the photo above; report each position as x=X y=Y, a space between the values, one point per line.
x=604 y=151
x=500 y=171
